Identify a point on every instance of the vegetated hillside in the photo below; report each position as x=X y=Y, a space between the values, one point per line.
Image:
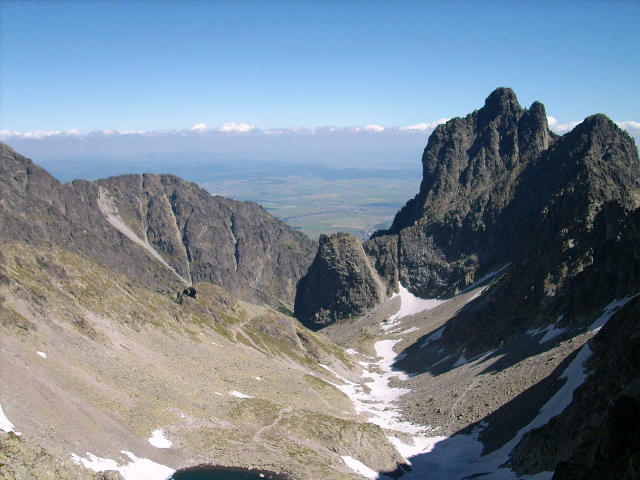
x=94 y=363
x=148 y=225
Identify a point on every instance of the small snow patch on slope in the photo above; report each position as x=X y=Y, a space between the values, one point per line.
x=433 y=336
x=359 y=467
x=461 y=361
x=487 y=277
x=239 y=394
x=5 y=424
x=110 y=211
x=42 y=354
x=609 y=311
x=136 y=469
x=551 y=331
x=575 y=375
x=158 y=440
x=410 y=305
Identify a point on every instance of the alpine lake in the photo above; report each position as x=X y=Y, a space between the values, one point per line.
x=225 y=473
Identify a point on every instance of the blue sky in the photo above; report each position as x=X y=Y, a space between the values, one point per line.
x=170 y=65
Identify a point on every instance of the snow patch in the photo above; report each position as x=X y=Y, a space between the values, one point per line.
x=408 y=330
x=258 y=379
x=552 y=331
x=410 y=305
x=575 y=375
x=237 y=394
x=42 y=354
x=433 y=336
x=359 y=467
x=379 y=403
x=158 y=440
x=461 y=361
x=351 y=351
x=5 y=424
x=609 y=311
x=485 y=278
x=136 y=469
x=439 y=361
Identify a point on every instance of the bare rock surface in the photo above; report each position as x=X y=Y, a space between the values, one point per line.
x=500 y=189
x=340 y=282
x=186 y=235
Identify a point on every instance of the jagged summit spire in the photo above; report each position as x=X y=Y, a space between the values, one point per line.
x=501 y=100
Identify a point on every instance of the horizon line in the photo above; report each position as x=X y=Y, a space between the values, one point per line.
x=240 y=128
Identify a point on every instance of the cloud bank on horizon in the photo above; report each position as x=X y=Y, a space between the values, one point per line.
x=227 y=128
x=233 y=128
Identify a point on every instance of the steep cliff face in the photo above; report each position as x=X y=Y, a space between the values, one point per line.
x=499 y=188
x=572 y=217
x=237 y=245
x=471 y=168
x=340 y=283
x=186 y=234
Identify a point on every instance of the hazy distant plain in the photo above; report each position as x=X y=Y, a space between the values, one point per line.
x=316 y=205
x=312 y=197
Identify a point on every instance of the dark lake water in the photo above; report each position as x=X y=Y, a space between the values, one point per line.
x=221 y=473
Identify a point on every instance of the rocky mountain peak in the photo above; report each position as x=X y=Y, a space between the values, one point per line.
x=467 y=158
x=603 y=130
x=502 y=101
x=498 y=185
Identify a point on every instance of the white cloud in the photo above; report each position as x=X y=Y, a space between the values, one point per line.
x=110 y=133
x=631 y=127
x=199 y=127
x=233 y=127
x=424 y=127
x=560 y=128
x=38 y=134
x=4 y=134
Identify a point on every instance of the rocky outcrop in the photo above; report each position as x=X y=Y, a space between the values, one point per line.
x=605 y=445
x=499 y=188
x=339 y=283
x=574 y=222
x=471 y=168
x=23 y=458
x=158 y=229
